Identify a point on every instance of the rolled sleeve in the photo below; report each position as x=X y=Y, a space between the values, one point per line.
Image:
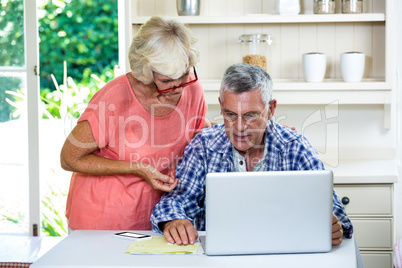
x=340 y=212
x=186 y=200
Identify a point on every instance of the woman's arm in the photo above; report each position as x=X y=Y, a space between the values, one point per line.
x=77 y=156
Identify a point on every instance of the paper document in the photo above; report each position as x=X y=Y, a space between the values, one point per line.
x=159 y=245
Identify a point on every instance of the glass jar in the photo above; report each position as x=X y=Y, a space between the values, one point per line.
x=352 y=6
x=324 y=6
x=254 y=48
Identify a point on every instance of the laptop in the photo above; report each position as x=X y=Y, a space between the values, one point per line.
x=268 y=212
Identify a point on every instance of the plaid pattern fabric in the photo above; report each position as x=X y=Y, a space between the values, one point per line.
x=14 y=264
x=211 y=151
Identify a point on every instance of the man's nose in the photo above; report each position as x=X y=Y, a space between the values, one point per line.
x=241 y=124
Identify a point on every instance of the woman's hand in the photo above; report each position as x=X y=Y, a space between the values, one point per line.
x=77 y=156
x=157 y=180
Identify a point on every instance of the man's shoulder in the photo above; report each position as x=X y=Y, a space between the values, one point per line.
x=296 y=148
x=212 y=132
x=213 y=138
x=284 y=134
x=284 y=137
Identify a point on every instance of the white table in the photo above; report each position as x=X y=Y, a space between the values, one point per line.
x=24 y=249
x=100 y=249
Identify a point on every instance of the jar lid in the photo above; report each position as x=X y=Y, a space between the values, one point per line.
x=255 y=38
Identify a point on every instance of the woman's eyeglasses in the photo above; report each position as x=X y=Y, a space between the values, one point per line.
x=179 y=86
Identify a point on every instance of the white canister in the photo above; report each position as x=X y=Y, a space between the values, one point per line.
x=352 y=66
x=288 y=7
x=314 y=66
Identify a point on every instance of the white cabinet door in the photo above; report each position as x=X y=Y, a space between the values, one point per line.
x=377 y=259
x=366 y=199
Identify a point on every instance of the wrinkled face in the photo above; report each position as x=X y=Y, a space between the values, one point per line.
x=246 y=118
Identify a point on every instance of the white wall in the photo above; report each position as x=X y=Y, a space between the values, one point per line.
x=359 y=127
x=398 y=93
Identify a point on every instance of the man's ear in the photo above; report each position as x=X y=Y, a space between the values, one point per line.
x=220 y=103
x=272 y=108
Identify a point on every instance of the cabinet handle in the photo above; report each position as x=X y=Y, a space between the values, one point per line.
x=345 y=200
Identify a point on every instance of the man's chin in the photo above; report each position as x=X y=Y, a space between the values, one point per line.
x=241 y=146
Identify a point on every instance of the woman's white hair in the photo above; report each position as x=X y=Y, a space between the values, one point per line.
x=163 y=46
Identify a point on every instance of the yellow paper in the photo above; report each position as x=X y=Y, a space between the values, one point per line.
x=159 y=245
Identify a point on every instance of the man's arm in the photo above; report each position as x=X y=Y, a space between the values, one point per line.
x=340 y=212
x=308 y=159
x=175 y=212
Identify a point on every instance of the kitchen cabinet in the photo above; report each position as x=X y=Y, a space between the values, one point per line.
x=367 y=184
x=366 y=189
x=221 y=22
x=369 y=207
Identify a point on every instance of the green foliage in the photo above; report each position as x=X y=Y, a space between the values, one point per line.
x=84 y=33
x=12 y=215
x=11 y=50
x=14 y=219
x=12 y=33
x=69 y=99
x=8 y=84
x=54 y=223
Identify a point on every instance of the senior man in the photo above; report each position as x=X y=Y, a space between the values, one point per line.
x=249 y=140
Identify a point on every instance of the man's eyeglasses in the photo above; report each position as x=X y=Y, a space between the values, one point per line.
x=179 y=86
x=247 y=117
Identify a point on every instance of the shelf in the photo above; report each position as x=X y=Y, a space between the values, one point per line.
x=327 y=84
x=266 y=18
x=365 y=171
x=297 y=92
x=320 y=97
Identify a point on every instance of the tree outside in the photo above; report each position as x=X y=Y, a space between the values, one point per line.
x=82 y=33
x=78 y=52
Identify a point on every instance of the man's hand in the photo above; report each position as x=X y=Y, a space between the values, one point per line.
x=181 y=232
x=337 y=231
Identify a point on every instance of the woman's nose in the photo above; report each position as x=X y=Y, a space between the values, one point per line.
x=177 y=82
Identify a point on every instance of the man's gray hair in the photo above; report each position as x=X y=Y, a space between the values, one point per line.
x=242 y=77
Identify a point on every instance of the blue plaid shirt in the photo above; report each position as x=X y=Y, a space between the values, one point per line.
x=211 y=151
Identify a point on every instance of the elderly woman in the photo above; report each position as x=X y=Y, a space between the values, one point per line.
x=125 y=146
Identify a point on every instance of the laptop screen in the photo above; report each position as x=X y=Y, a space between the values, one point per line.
x=268 y=212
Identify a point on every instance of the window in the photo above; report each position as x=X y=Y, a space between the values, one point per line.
x=19 y=206
x=33 y=187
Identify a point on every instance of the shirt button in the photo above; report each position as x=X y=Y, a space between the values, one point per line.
x=241 y=162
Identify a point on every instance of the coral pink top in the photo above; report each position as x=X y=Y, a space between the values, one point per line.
x=123 y=130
